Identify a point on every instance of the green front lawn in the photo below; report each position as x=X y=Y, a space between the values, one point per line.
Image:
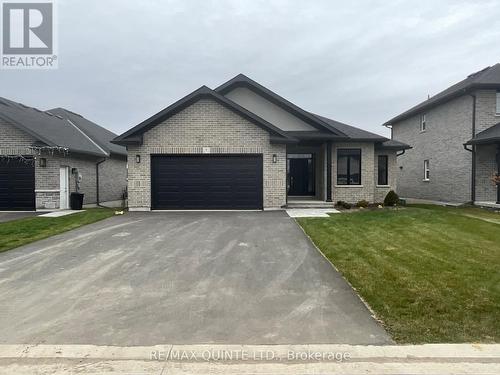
x=431 y=274
x=21 y=232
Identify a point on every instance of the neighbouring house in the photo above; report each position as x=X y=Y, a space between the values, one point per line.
x=42 y=153
x=455 y=139
x=242 y=146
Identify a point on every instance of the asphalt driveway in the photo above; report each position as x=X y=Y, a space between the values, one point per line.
x=157 y=278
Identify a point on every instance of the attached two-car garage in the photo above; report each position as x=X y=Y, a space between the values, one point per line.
x=206 y=181
x=17 y=184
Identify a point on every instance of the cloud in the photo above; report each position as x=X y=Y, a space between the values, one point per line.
x=357 y=62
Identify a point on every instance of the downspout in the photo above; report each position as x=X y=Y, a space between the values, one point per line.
x=498 y=172
x=473 y=169
x=97 y=181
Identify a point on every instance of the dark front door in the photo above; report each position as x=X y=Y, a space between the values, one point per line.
x=300 y=174
x=17 y=184
x=206 y=182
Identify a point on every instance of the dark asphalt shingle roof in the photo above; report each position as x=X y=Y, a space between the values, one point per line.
x=327 y=129
x=97 y=133
x=394 y=145
x=135 y=134
x=54 y=129
x=490 y=135
x=352 y=132
x=486 y=78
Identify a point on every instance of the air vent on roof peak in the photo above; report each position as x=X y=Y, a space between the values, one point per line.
x=479 y=72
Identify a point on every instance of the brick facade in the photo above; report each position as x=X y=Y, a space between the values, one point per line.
x=207 y=124
x=368 y=190
x=449 y=126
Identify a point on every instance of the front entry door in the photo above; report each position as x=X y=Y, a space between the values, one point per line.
x=64 y=188
x=300 y=174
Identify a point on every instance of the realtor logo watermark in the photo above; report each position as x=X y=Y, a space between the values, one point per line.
x=28 y=35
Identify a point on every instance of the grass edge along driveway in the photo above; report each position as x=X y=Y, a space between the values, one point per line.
x=24 y=231
x=431 y=274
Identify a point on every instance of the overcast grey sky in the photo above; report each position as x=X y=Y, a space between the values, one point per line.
x=359 y=62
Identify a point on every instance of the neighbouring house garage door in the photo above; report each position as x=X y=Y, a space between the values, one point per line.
x=17 y=185
x=206 y=182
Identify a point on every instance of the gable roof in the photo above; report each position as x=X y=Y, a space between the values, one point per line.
x=97 y=133
x=134 y=135
x=487 y=78
x=327 y=129
x=53 y=129
x=242 y=80
x=488 y=136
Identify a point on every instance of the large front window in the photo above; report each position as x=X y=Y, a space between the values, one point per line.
x=349 y=167
x=383 y=175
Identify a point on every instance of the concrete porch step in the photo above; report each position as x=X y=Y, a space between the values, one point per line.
x=309 y=204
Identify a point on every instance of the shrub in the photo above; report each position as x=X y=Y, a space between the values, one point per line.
x=346 y=205
x=362 y=204
x=342 y=204
x=391 y=199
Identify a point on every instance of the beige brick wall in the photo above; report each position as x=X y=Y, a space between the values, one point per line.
x=206 y=124
x=355 y=193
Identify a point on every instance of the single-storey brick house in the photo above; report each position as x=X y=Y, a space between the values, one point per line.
x=241 y=146
x=43 y=152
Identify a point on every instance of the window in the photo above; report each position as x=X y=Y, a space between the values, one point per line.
x=383 y=178
x=349 y=167
x=423 y=122
x=426 y=170
x=498 y=102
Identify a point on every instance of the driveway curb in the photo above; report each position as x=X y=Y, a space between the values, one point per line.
x=443 y=352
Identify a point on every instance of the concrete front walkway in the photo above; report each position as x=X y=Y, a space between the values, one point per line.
x=184 y=277
x=440 y=359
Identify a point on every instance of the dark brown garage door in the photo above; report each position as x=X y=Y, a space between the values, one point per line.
x=17 y=184
x=206 y=182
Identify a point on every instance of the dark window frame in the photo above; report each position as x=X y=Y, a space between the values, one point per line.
x=386 y=170
x=348 y=174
